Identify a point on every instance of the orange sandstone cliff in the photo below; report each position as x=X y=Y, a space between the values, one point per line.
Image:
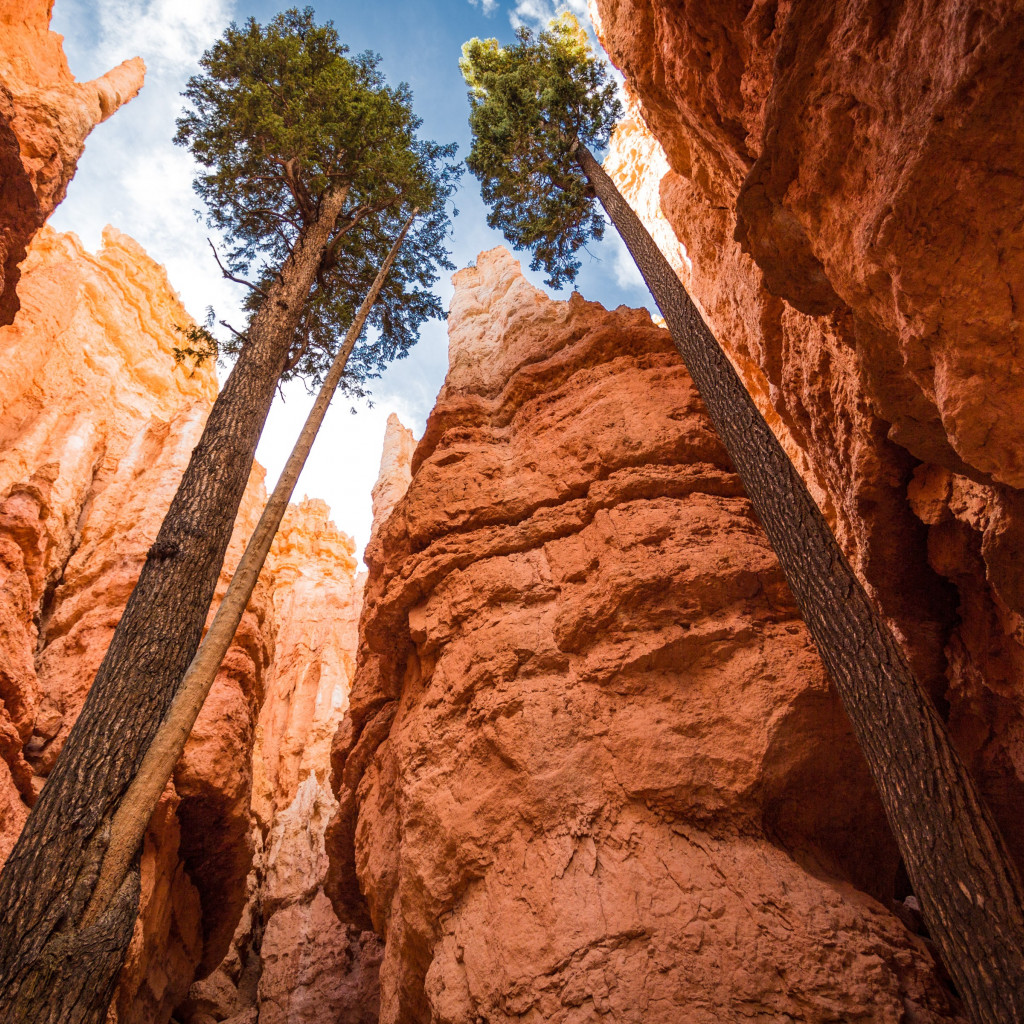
x=45 y=116
x=292 y=961
x=838 y=186
x=96 y=426
x=593 y=766
x=97 y=423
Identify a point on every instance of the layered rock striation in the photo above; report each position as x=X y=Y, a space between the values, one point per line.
x=592 y=764
x=97 y=424
x=291 y=959
x=45 y=117
x=837 y=186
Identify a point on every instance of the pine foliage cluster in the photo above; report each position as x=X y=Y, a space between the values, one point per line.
x=533 y=104
x=281 y=116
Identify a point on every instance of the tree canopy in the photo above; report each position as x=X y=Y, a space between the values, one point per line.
x=533 y=104
x=282 y=116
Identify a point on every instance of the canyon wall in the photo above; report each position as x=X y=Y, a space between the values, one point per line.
x=838 y=187
x=97 y=423
x=593 y=765
x=291 y=960
x=45 y=117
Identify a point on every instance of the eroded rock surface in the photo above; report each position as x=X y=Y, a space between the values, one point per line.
x=45 y=117
x=291 y=959
x=843 y=183
x=577 y=775
x=96 y=426
x=395 y=468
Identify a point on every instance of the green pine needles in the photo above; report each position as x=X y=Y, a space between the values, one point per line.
x=282 y=116
x=534 y=103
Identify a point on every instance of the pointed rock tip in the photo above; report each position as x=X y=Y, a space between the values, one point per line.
x=487 y=264
x=119 y=85
x=395 y=469
x=394 y=424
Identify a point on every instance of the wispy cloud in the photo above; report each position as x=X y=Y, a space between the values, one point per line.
x=487 y=6
x=131 y=174
x=537 y=13
x=627 y=275
x=168 y=34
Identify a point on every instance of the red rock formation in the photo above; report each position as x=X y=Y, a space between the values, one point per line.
x=45 y=116
x=593 y=766
x=844 y=180
x=317 y=600
x=291 y=959
x=96 y=426
x=84 y=369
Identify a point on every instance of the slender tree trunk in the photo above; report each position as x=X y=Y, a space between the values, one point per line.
x=970 y=891
x=140 y=801
x=51 y=968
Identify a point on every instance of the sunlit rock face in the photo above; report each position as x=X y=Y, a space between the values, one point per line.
x=45 y=116
x=843 y=181
x=593 y=766
x=395 y=468
x=314 y=968
x=291 y=960
x=97 y=423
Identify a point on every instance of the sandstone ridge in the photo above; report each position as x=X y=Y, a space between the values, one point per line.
x=586 y=708
x=45 y=117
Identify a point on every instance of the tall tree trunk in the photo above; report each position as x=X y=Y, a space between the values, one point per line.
x=970 y=891
x=139 y=802
x=52 y=969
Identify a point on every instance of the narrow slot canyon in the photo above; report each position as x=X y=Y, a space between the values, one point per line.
x=558 y=745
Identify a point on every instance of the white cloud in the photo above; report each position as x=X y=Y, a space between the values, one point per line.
x=627 y=275
x=487 y=6
x=536 y=14
x=131 y=174
x=170 y=35
x=343 y=465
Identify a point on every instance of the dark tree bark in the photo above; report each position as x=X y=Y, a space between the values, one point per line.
x=52 y=969
x=970 y=891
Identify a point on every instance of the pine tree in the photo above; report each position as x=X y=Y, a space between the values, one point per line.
x=537 y=108
x=310 y=166
x=128 y=826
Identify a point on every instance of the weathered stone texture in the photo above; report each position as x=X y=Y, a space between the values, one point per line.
x=45 y=116
x=844 y=182
x=291 y=959
x=593 y=765
x=96 y=426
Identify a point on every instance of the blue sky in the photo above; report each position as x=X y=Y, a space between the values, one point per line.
x=131 y=176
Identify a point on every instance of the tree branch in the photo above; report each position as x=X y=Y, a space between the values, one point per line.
x=293 y=361
x=232 y=277
x=237 y=334
x=255 y=211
